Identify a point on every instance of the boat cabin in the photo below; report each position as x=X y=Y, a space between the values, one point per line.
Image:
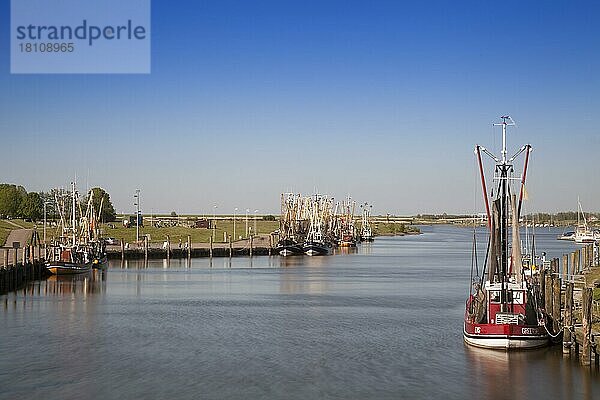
x=513 y=311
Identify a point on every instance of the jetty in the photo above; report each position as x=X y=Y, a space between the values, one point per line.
x=567 y=295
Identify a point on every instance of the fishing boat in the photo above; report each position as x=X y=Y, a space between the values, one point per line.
x=71 y=261
x=366 y=232
x=68 y=255
x=289 y=247
x=315 y=244
x=503 y=309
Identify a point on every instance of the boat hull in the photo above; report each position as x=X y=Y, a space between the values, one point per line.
x=287 y=248
x=314 y=249
x=68 y=268
x=505 y=336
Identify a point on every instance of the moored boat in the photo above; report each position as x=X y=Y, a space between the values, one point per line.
x=289 y=247
x=503 y=309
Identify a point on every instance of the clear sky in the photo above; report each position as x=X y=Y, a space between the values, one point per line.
x=383 y=100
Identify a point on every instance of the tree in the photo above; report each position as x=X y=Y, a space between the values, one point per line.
x=32 y=207
x=107 y=213
x=11 y=197
x=173 y=214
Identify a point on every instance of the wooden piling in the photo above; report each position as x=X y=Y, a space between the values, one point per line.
x=586 y=319
x=565 y=267
x=556 y=302
x=251 y=244
x=270 y=244
x=573 y=265
x=548 y=295
x=122 y=249
x=211 y=247
x=230 y=246
x=6 y=258
x=568 y=318
x=543 y=286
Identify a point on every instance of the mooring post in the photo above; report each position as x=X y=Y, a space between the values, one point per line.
x=578 y=259
x=573 y=266
x=168 y=248
x=586 y=319
x=568 y=319
x=189 y=246
x=145 y=248
x=122 y=249
x=230 y=246
x=565 y=267
x=543 y=286
x=270 y=244
x=556 y=302
x=548 y=295
x=251 y=244
x=6 y=258
x=210 y=240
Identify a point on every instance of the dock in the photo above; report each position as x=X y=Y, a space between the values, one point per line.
x=569 y=306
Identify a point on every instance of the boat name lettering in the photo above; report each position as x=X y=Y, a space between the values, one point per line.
x=477 y=329
x=529 y=331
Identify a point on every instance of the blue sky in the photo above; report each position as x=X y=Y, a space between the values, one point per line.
x=381 y=100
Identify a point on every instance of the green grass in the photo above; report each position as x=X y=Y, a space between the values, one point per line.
x=390 y=229
x=198 y=235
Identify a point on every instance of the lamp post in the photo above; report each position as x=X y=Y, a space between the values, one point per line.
x=247 y=211
x=234 y=217
x=136 y=196
x=255 y=216
x=214 y=222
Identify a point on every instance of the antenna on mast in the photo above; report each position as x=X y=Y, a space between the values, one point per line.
x=506 y=121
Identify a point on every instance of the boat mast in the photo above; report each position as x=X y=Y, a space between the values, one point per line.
x=73 y=221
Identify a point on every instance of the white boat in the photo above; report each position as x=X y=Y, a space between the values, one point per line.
x=583 y=233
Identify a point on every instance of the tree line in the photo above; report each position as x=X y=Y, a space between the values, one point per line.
x=16 y=202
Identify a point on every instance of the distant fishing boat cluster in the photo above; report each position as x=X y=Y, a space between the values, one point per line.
x=315 y=225
x=79 y=248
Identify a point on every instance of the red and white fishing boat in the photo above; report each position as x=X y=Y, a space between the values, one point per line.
x=503 y=310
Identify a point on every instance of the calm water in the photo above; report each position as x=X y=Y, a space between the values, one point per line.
x=382 y=322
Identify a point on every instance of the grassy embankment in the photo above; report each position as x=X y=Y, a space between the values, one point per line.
x=392 y=229
x=198 y=235
x=202 y=235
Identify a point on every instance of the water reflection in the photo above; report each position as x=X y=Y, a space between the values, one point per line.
x=523 y=374
x=93 y=282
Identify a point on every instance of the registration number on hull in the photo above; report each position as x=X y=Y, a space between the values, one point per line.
x=529 y=331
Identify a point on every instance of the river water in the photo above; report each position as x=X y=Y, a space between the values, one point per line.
x=384 y=321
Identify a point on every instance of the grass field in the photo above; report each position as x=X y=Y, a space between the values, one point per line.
x=198 y=235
